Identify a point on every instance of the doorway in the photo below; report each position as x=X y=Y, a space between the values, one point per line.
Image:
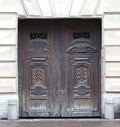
x=59 y=67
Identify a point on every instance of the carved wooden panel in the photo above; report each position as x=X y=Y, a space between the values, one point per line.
x=39 y=74
x=81 y=80
x=37 y=63
x=81 y=46
x=37 y=105
x=82 y=69
x=81 y=57
x=81 y=73
x=82 y=104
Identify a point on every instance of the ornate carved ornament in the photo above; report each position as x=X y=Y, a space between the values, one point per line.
x=78 y=35
x=38 y=37
x=82 y=91
x=39 y=76
x=81 y=47
x=81 y=80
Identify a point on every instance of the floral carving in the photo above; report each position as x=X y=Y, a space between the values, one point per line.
x=81 y=75
x=38 y=75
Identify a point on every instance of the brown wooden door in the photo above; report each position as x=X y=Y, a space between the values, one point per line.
x=59 y=68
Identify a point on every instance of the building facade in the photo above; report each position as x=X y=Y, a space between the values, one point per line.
x=13 y=12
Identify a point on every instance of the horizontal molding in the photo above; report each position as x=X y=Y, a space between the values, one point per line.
x=89 y=16
x=8 y=76
x=24 y=7
x=111 y=46
x=7 y=89
x=112 y=77
x=109 y=91
x=9 y=13
x=112 y=13
x=112 y=61
x=8 y=44
x=55 y=17
x=7 y=61
x=15 y=28
x=111 y=29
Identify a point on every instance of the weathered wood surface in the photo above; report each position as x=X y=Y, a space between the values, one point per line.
x=59 y=65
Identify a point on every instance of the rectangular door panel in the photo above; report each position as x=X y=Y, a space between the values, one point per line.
x=82 y=68
x=38 y=72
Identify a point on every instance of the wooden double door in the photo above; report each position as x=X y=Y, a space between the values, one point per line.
x=59 y=68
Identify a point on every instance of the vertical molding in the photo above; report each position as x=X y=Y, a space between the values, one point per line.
x=69 y=8
x=24 y=7
x=39 y=7
x=97 y=6
x=17 y=34
x=83 y=4
x=52 y=6
x=77 y=9
x=103 y=67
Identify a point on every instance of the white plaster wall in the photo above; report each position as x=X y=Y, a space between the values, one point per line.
x=8 y=60
x=4 y=104
x=111 y=44
x=12 y=10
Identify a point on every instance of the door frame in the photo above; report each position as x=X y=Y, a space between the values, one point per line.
x=19 y=65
